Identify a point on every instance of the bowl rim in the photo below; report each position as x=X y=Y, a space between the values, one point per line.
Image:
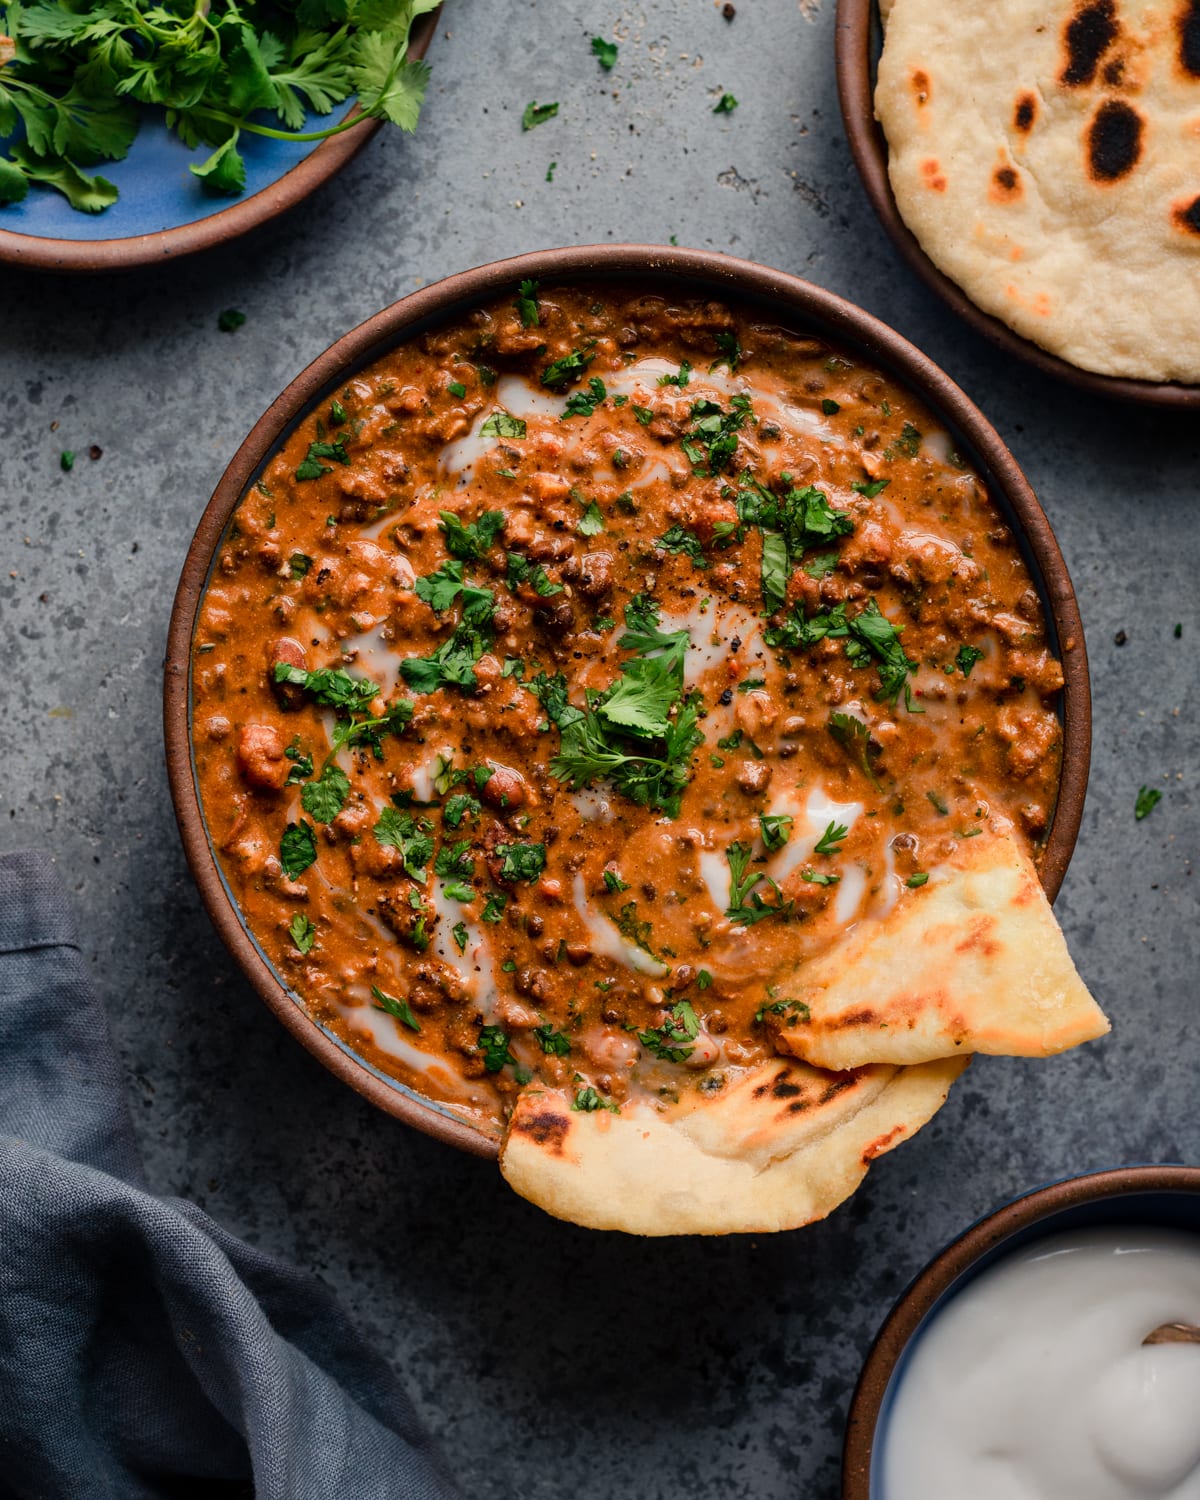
x=802 y=303
x=868 y=146
x=86 y=257
x=986 y=1235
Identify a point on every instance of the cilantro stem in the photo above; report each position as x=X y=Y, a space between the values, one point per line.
x=287 y=135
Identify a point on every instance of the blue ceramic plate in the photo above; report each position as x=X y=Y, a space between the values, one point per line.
x=164 y=210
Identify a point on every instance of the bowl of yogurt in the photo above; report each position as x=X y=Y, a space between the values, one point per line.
x=1015 y=1366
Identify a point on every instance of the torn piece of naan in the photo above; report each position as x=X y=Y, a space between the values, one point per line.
x=779 y=1147
x=974 y=961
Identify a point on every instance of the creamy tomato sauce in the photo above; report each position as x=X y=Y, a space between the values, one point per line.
x=583 y=667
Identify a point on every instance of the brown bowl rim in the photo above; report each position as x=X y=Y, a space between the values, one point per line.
x=954 y=1261
x=804 y=303
x=868 y=146
x=87 y=257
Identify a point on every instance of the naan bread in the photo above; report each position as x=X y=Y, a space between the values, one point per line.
x=1047 y=158
x=779 y=1147
x=974 y=961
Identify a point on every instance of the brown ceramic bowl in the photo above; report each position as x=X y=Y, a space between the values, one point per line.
x=782 y=298
x=858 y=35
x=1162 y=1196
x=243 y=214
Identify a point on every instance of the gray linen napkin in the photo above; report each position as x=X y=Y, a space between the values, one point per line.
x=145 y=1352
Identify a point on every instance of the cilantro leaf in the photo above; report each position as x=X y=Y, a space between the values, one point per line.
x=398 y=1008
x=297 y=849
x=553 y=1043
x=503 y=425
x=527 y=304
x=776 y=829
x=591 y=523
x=680 y=540
x=605 y=53
x=521 y=861
x=537 y=114
x=673 y=1040
x=746 y=905
x=853 y=735
x=725 y=105
x=565 y=371
x=302 y=932
x=830 y=841
x=398 y=830
x=966 y=659
x=521 y=571
x=324 y=798
x=475 y=540
x=1148 y=798
x=493 y=1043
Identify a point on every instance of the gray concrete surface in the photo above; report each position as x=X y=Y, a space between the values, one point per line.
x=549 y=1360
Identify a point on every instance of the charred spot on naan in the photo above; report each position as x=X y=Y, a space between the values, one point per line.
x=548 y=1128
x=921 y=87
x=1025 y=113
x=1186 y=217
x=1088 y=35
x=934 y=176
x=1113 y=141
x=1188 y=26
x=1006 y=185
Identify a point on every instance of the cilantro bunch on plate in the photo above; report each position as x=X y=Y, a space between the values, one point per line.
x=75 y=76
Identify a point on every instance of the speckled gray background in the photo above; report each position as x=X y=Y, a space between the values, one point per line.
x=549 y=1360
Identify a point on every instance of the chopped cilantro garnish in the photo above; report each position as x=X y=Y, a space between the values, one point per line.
x=459 y=807
x=605 y=53
x=591 y=523
x=324 y=798
x=553 y=1043
x=298 y=564
x=643 y=414
x=681 y=379
x=521 y=861
x=453 y=862
x=673 y=1040
x=967 y=657
x=567 y=370
x=703 y=979
x=503 y=424
x=939 y=805
x=461 y=935
x=66 y=460
x=909 y=441
x=584 y=403
x=725 y=105
x=302 y=932
x=399 y=830
x=830 y=408
x=537 y=114
x=1148 y=798
x=527 y=304
x=398 y=1008
x=454 y=660
x=679 y=540
x=493 y=909
x=815 y=877
x=830 y=841
x=729 y=351
x=587 y=1101
x=776 y=829
x=853 y=735
x=614 y=883
x=746 y=905
x=917 y=880
x=521 y=570
x=297 y=849
x=230 y=320
x=457 y=389
x=493 y=1043
x=870 y=488
x=311 y=466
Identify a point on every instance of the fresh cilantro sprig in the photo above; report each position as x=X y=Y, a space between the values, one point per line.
x=746 y=905
x=74 y=76
x=641 y=732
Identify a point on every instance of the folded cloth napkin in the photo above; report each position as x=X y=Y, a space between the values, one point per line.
x=145 y=1352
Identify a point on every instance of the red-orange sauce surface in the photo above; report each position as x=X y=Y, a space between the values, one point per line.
x=582 y=667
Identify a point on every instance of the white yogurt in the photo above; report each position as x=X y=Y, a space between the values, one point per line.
x=1033 y=1382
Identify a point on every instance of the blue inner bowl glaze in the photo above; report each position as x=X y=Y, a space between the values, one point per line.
x=1162 y=1210
x=157 y=190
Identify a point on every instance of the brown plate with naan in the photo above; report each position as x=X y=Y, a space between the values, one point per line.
x=1116 y=80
